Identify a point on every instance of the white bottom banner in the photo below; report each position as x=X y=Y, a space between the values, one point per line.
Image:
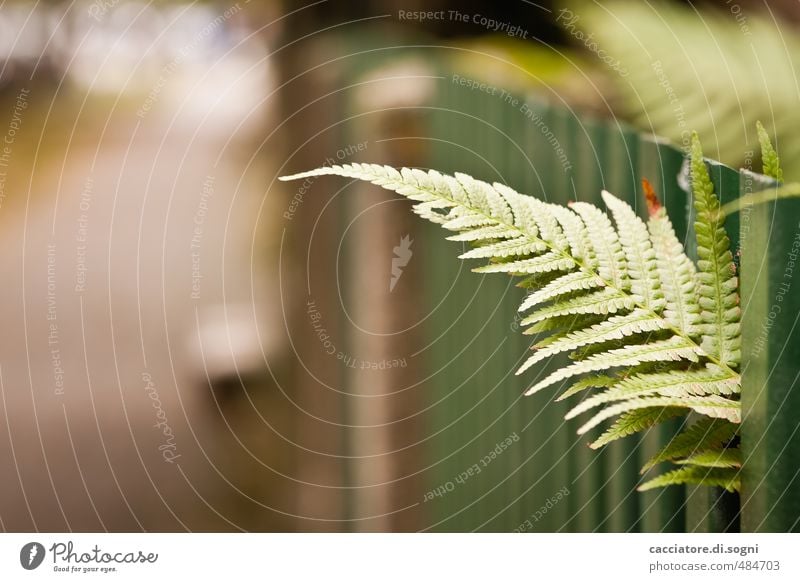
x=400 y=557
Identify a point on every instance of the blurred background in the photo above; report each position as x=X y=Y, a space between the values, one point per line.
x=188 y=344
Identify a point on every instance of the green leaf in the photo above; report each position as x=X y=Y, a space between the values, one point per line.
x=714 y=406
x=651 y=333
x=634 y=421
x=727 y=478
x=642 y=266
x=673 y=349
x=675 y=383
x=614 y=328
x=705 y=434
x=676 y=273
x=769 y=157
x=716 y=281
x=722 y=458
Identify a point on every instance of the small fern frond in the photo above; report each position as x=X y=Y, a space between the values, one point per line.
x=635 y=421
x=605 y=242
x=705 y=434
x=716 y=283
x=710 y=380
x=480 y=234
x=676 y=272
x=769 y=157
x=714 y=406
x=673 y=349
x=504 y=249
x=606 y=300
x=594 y=381
x=721 y=458
x=575 y=281
x=576 y=234
x=545 y=263
x=728 y=478
x=615 y=328
x=641 y=259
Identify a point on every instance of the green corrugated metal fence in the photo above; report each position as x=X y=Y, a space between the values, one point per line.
x=500 y=141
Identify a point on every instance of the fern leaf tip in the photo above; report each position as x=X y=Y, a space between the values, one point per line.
x=301 y=175
x=291 y=177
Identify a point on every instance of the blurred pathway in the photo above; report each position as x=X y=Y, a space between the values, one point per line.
x=131 y=230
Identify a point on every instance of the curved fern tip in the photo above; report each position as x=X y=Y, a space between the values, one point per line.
x=298 y=176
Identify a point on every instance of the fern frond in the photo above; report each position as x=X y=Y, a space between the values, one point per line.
x=769 y=157
x=605 y=242
x=467 y=221
x=575 y=281
x=622 y=298
x=676 y=272
x=595 y=381
x=672 y=349
x=606 y=300
x=560 y=323
x=485 y=233
x=641 y=258
x=635 y=421
x=551 y=261
x=506 y=248
x=576 y=235
x=618 y=327
x=713 y=406
x=487 y=198
x=705 y=434
x=711 y=380
x=727 y=478
x=716 y=282
x=721 y=458
x=522 y=208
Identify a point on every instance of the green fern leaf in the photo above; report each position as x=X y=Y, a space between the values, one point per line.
x=635 y=421
x=622 y=297
x=467 y=221
x=714 y=406
x=618 y=327
x=575 y=281
x=717 y=285
x=595 y=381
x=605 y=241
x=606 y=300
x=673 y=349
x=711 y=380
x=576 y=235
x=727 y=478
x=676 y=273
x=507 y=248
x=721 y=458
x=486 y=233
x=641 y=258
x=551 y=261
x=707 y=433
x=769 y=157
